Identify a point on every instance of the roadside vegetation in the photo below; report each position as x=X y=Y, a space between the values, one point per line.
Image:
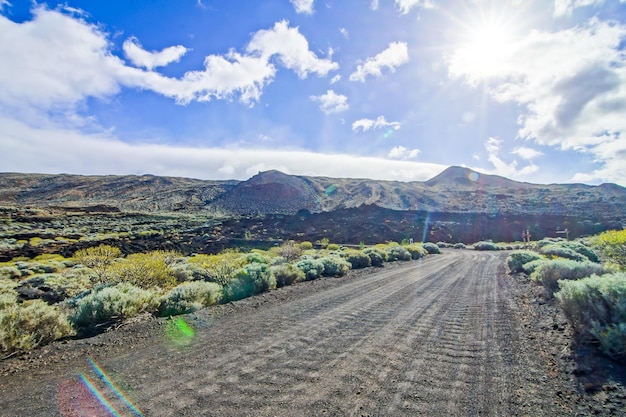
x=588 y=280
x=50 y=296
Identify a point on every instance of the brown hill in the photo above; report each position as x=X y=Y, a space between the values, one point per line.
x=456 y=190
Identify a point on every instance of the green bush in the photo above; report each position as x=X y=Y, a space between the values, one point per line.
x=332 y=247
x=485 y=245
x=7 y=299
x=459 y=246
x=312 y=268
x=550 y=273
x=431 y=248
x=561 y=251
x=9 y=272
x=612 y=245
x=306 y=245
x=287 y=274
x=516 y=260
x=24 y=327
x=256 y=257
x=335 y=266
x=416 y=251
x=99 y=259
x=398 y=253
x=582 y=249
x=358 y=259
x=219 y=268
x=117 y=302
x=253 y=279
x=145 y=270
x=529 y=267
x=377 y=256
x=597 y=305
x=190 y=296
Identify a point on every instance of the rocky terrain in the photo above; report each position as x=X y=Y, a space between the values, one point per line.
x=458 y=205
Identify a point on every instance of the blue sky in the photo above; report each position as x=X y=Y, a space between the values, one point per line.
x=388 y=89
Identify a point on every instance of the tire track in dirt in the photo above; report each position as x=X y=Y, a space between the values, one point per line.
x=435 y=337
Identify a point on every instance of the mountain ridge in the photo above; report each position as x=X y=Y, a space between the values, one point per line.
x=454 y=190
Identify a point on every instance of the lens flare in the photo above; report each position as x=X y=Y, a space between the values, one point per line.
x=180 y=332
x=95 y=396
x=426 y=224
x=113 y=387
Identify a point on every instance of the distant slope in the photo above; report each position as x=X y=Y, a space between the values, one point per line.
x=146 y=193
x=455 y=190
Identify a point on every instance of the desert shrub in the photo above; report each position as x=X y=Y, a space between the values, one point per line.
x=190 y=296
x=7 y=299
x=581 y=248
x=485 y=245
x=9 y=272
x=612 y=245
x=547 y=241
x=358 y=259
x=459 y=245
x=306 y=245
x=219 y=268
x=416 y=251
x=54 y=288
x=145 y=270
x=550 y=273
x=529 y=267
x=335 y=266
x=287 y=274
x=431 y=248
x=444 y=244
x=516 y=260
x=290 y=250
x=99 y=259
x=253 y=279
x=377 y=256
x=117 y=302
x=332 y=247
x=597 y=305
x=24 y=327
x=398 y=253
x=49 y=257
x=256 y=257
x=312 y=268
x=560 y=251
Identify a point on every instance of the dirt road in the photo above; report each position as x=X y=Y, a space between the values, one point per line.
x=437 y=337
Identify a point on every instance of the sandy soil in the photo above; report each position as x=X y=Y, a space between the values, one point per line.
x=450 y=335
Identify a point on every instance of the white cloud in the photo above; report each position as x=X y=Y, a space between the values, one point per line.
x=526 y=153
x=37 y=72
x=24 y=147
x=501 y=167
x=4 y=3
x=565 y=7
x=374 y=5
x=61 y=77
x=150 y=60
x=366 y=124
x=331 y=102
x=344 y=33
x=335 y=79
x=292 y=49
x=303 y=6
x=400 y=152
x=396 y=54
x=405 y=6
x=569 y=103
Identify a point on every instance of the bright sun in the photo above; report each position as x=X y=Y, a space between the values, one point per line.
x=484 y=51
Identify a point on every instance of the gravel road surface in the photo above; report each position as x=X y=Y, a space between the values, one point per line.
x=443 y=336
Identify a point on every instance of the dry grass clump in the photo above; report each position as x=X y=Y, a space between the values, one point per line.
x=26 y=326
